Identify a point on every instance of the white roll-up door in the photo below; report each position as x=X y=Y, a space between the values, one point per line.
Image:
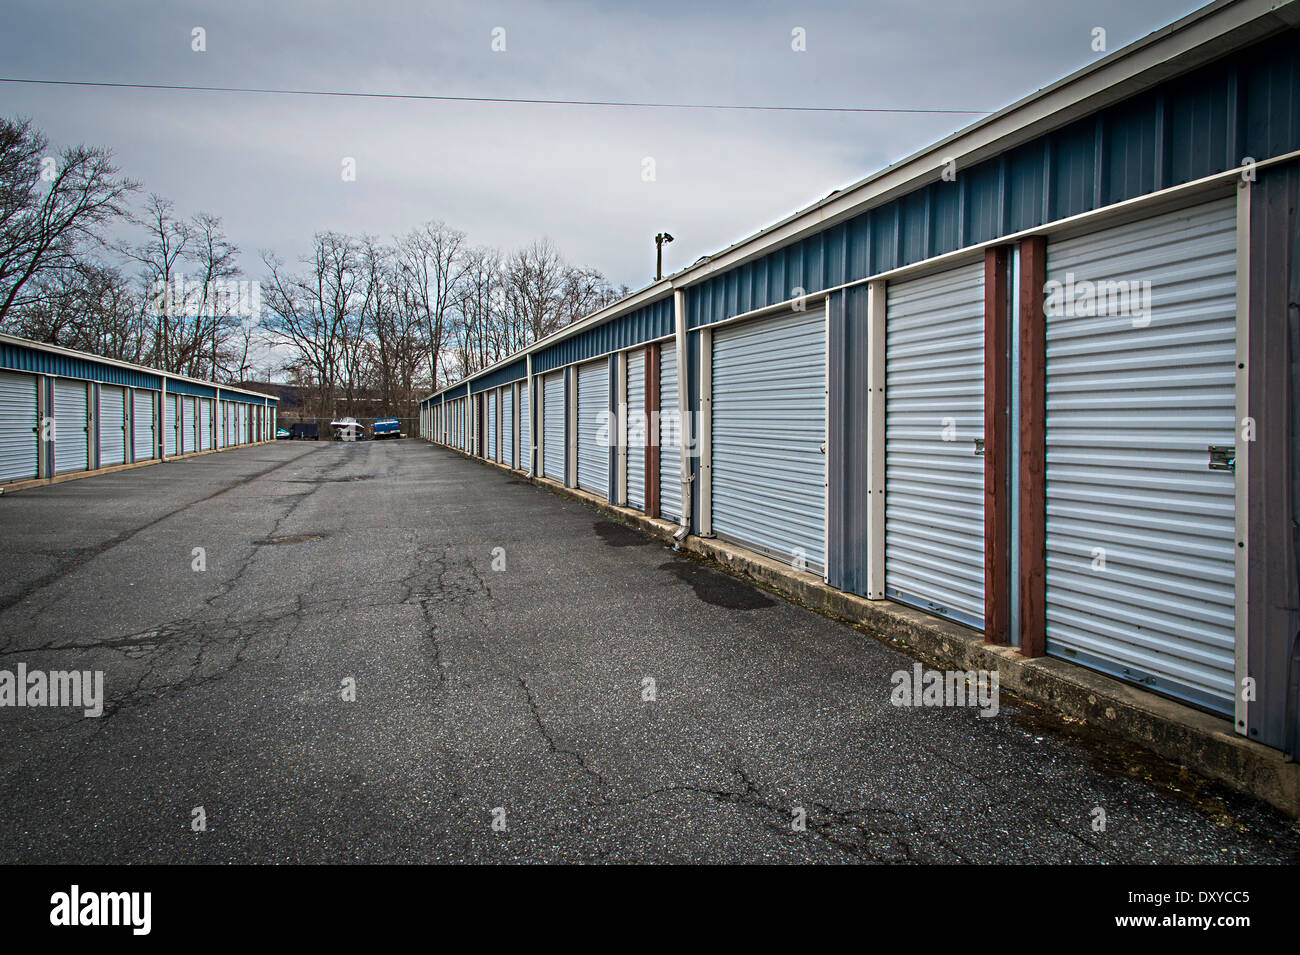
x=508 y=425
x=71 y=438
x=525 y=424
x=593 y=427
x=205 y=424
x=1140 y=384
x=142 y=424
x=553 y=443
x=112 y=425
x=934 y=412
x=636 y=429
x=243 y=423
x=187 y=424
x=19 y=431
x=492 y=425
x=670 y=436
x=769 y=434
x=169 y=426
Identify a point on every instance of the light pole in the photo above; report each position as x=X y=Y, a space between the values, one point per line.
x=660 y=239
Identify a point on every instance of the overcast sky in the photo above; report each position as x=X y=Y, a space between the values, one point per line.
x=506 y=174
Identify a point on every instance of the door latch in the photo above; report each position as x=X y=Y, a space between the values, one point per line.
x=979 y=447
x=1223 y=457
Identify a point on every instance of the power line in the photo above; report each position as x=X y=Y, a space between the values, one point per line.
x=483 y=99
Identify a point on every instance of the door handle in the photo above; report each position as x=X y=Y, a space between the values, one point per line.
x=979 y=447
x=1223 y=457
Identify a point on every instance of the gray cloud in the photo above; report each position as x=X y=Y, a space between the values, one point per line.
x=509 y=173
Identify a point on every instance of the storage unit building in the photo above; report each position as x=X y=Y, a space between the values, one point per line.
x=1032 y=379
x=64 y=412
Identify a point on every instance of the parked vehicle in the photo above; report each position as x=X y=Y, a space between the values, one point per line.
x=347 y=429
x=304 y=431
x=281 y=434
x=387 y=428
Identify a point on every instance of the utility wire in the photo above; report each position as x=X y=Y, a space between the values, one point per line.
x=481 y=99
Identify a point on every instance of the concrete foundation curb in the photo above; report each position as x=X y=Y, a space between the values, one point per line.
x=1189 y=737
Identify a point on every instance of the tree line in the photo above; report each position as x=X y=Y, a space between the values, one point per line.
x=359 y=325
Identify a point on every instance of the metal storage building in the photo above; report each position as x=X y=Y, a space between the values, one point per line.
x=1034 y=378
x=64 y=412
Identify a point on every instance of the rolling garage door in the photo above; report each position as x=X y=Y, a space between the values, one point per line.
x=593 y=427
x=670 y=436
x=187 y=424
x=241 y=431
x=19 y=427
x=508 y=426
x=525 y=425
x=769 y=434
x=142 y=412
x=71 y=438
x=492 y=425
x=205 y=424
x=553 y=445
x=1140 y=530
x=169 y=427
x=636 y=429
x=934 y=412
x=223 y=424
x=112 y=425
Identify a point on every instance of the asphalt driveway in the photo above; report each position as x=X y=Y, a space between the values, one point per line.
x=387 y=652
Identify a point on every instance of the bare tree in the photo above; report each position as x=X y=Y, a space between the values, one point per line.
x=50 y=206
x=431 y=264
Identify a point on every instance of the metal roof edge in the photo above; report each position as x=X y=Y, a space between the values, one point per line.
x=116 y=363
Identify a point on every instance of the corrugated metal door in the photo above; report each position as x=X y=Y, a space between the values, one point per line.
x=142 y=412
x=205 y=424
x=223 y=423
x=553 y=444
x=19 y=435
x=769 y=433
x=71 y=440
x=525 y=424
x=187 y=424
x=670 y=436
x=934 y=412
x=243 y=423
x=1140 y=383
x=636 y=429
x=169 y=427
x=508 y=426
x=112 y=425
x=492 y=426
x=593 y=427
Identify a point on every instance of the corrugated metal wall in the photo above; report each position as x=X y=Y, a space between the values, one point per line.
x=769 y=434
x=554 y=443
x=71 y=438
x=670 y=437
x=593 y=427
x=636 y=429
x=1140 y=382
x=18 y=426
x=142 y=424
x=934 y=412
x=112 y=425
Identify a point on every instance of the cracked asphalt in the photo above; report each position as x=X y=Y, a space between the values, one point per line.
x=486 y=693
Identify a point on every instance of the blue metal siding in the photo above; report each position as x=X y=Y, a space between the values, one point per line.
x=504 y=375
x=19 y=358
x=1186 y=129
x=646 y=324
